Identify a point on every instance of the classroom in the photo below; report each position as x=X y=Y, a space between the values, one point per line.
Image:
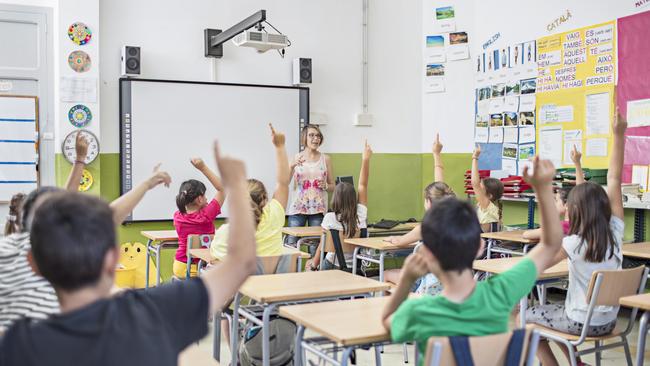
x=358 y=182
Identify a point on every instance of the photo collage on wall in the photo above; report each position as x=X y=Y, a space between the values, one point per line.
x=506 y=82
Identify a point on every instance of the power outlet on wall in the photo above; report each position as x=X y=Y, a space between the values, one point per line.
x=363 y=119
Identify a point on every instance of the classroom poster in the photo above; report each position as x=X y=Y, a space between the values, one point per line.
x=505 y=104
x=575 y=92
x=633 y=90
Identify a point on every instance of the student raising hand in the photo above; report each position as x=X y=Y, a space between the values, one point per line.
x=477 y=152
x=81 y=150
x=576 y=156
x=541 y=178
x=277 y=138
x=159 y=177
x=437 y=145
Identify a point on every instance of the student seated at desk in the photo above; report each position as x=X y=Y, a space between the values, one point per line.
x=428 y=284
x=269 y=214
x=135 y=327
x=23 y=292
x=195 y=215
x=467 y=307
x=350 y=213
x=561 y=196
x=594 y=243
x=488 y=194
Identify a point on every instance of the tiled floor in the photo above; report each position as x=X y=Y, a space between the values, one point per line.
x=199 y=355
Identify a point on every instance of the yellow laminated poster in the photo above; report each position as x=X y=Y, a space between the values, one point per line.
x=133 y=267
x=576 y=78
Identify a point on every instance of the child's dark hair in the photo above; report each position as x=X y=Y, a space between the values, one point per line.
x=14 y=218
x=70 y=236
x=437 y=190
x=589 y=215
x=30 y=200
x=494 y=189
x=451 y=231
x=188 y=192
x=344 y=205
x=259 y=198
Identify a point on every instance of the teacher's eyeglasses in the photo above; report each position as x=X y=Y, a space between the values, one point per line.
x=315 y=136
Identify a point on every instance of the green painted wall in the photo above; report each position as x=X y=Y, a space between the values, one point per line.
x=395 y=190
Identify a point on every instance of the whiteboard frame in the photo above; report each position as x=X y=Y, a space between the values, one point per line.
x=126 y=183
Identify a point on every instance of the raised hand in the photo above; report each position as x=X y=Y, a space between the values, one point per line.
x=81 y=147
x=437 y=145
x=277 y=138
x=576 y=155
x=233 y=171
x=198 y=163
x=367 y=151
x=477 y=152
x=158 y=177
x=619 y=124
x=542 y=174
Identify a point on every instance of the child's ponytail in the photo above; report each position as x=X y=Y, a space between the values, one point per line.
x=259 y=198
x=188 y=192
x=13 y=224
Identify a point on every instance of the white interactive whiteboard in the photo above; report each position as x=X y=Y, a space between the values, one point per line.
x=170 y=122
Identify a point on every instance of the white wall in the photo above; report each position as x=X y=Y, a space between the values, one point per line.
x=171 y=37
x=450 y=113
x=516 y=21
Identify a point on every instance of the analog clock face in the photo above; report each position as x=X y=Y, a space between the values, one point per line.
x=68 y=146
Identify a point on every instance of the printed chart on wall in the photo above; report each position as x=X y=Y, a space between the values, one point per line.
x=18 y=145
x=575 y=94
x=633 y=95
x=505 y=106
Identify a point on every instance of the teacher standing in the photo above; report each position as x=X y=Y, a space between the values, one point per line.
x=311 y=173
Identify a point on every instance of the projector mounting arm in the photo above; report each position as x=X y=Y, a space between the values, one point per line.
x=215 y=38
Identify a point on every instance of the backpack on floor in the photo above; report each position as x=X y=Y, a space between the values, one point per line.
x=281 y=343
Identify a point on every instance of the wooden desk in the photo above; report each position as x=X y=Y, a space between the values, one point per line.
x=637 y=250
x=163 y=238
x=376 y=243
x=304 y=234
x=348 y=322
x=642 y=302
x=205 y=255
x=303 y=231
x=271 y=291
x=515 y=236
x=500 y=265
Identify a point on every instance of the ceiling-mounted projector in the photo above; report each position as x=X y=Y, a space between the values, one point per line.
x=260 y=40
x=247 y=33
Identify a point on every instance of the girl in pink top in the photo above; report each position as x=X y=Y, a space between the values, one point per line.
x=195 y=214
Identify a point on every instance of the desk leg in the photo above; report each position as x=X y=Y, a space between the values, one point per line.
x=216 y=336
x=522 y=311
x=322 y=258
x=490 y=242
x=417 y=353
x=643 y=332
x=297 y=349
x=266 y=330
x=354 y=260
x=377 y=356
x=146 y=277
x=345 y=358
x=234 y=331
x=382 y=256
x=158 y=249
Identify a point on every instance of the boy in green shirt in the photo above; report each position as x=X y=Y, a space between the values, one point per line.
x=452 y=239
